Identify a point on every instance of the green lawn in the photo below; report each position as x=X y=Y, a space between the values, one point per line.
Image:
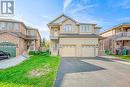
x=126 y=57
x=37 y=71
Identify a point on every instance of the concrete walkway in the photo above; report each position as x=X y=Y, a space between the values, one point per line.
x=109 y=57
x=123 y=61
x=92 y=72
x=12 y=61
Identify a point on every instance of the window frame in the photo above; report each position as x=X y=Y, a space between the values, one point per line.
x=68 y=28
x=3 y=26
x=9 y=26
x=85 y=28
x=31 y=32
x=17 y=27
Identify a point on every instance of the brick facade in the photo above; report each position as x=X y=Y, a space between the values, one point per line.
x=20 y=37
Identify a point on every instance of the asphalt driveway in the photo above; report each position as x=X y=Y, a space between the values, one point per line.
x=92 y=72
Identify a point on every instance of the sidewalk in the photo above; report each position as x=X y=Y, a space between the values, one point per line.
x=108 y=56
x=116 y=59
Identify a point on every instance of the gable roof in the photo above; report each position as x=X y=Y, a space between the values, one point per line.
x=16 y=34
x=9 y=33
x=63 y=20
x=67 y=17
x=119 y=25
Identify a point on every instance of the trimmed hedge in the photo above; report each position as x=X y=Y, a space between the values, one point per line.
x=108 y=52
x=39 y=52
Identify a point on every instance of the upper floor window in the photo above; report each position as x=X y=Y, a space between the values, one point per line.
x=128 y=30
x=9 y=26
x=97 y=31
x=68 y=28
x=85 y=28
x=3 y=25
x=16 y=26
x=31 y=32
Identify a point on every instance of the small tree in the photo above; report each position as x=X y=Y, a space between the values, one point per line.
x=47 y=44
x=43 y=42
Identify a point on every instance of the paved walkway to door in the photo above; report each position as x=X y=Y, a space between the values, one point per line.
x=92 y=72
x=6 y=63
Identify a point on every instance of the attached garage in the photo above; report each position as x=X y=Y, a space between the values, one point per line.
x=88 y=51
x=69 y=51
x=79 y=51
x=8 y=47
x=78 y=47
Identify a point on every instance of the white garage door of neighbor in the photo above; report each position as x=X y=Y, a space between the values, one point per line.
x=88 y=51
x=69 y=51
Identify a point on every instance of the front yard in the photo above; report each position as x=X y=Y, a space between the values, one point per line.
x=37 y=71
x=125 y=57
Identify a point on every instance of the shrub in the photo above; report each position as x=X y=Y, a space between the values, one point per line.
x=39 y=52
x=108 y=52
x=31 y=52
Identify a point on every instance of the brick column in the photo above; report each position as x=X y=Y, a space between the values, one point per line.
x=34 y=44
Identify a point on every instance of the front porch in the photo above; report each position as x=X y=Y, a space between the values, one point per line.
x=54 y=47
x=122 y=36
x=122 y=45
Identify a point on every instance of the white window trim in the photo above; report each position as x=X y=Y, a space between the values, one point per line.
x=3 y=26
x=68 y=28
x=85 y=28
x=9 y=26
x=16 y=25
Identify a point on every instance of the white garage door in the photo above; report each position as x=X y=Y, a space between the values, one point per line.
x=69 y=51
x=88 y=51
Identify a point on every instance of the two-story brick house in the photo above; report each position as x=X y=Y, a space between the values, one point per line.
x=116 y=37
x=17 y=38
x=70 y=38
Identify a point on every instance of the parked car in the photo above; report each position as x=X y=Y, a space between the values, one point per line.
x=4 y=55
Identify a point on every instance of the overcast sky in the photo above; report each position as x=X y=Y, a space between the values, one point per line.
x=105 y=13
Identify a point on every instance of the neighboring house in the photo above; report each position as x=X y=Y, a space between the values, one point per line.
x=16 y=38
x=69 y=38
x=116 y=37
